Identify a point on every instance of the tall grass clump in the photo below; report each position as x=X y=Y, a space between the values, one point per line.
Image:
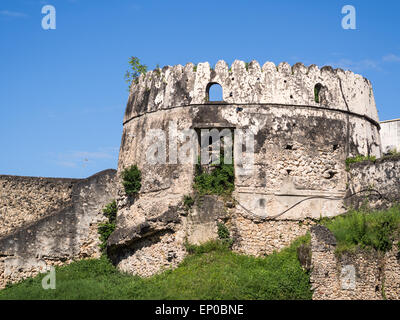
x=365 y=229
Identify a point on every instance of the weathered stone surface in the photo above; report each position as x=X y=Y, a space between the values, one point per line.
x=60 y=236
x=377 y=181
x=179 y=86
x=24 y=200
x=360 y=275
x=300 y=150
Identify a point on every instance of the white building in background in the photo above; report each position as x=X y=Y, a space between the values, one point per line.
x=390 y=135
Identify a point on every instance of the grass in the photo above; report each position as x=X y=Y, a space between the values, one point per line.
x=358 y=158
x=211 y=271
x=365 y=229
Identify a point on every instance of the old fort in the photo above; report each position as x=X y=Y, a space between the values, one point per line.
x=305 y=123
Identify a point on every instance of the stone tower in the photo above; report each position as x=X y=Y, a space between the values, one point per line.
x=306 y=121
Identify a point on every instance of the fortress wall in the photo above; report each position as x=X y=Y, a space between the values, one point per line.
x=361 y=275
x=318 y=148
x=299 y=172
x=283 y=84
x=60 y=237
x=382 y=175
x=24 y=200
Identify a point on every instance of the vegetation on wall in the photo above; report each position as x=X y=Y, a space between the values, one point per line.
x=105 y=229
x=135 y=70
x=188 y=203
x=211 y=272
x=220 y=181
x=365 y=229
x=358 y=158
x=132 y=180
x=224 y=234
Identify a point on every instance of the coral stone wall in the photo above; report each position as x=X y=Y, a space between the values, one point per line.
x=361 y=275
x=380 y=181
x=300 y=148
x=24 y=200
x=64 y=235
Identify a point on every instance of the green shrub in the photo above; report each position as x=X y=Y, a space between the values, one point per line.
x=136 y=69
x=132 y=180
x=188 y=202
x=365 y=229
x=223 y=232
x=221 y=181
x=105 y=229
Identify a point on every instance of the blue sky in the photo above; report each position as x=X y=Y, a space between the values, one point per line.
x=62 y=92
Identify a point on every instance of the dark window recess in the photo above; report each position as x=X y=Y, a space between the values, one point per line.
x=288 y=171
x=335 y=147
x=289 y=147
x=261 y=203
x=317 y=90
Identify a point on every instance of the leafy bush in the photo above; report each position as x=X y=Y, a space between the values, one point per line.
x=365 y=229
x=214 y=272
x=136 y=69
x=132 y=180
x=105 y=229
x=221 y=181
x=224 y=234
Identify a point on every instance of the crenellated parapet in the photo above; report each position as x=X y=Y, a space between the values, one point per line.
x=242 y=83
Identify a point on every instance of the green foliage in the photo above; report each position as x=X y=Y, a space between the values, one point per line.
x=105 y=229
x=212 y=272
x=221 y=181
x=358 y=158
x=110 y=211
x=188 y=202
x=136 y=69
x=207 y=247
x=246 y=65
x=195 y=68
x=132 y=180
x=365 y=229
x=223 y=232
